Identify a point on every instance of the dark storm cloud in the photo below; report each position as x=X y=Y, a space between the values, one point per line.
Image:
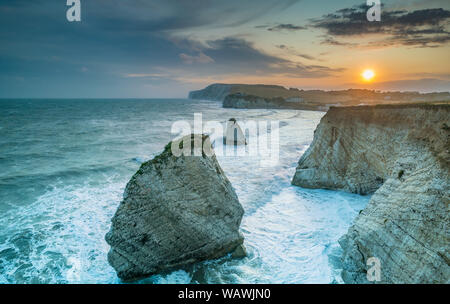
x=420 y=28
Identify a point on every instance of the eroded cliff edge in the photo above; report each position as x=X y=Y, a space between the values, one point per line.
x=401 y=154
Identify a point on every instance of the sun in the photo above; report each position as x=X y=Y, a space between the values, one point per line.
x=368 y=75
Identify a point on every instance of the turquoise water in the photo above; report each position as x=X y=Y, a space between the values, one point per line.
x=65 y=163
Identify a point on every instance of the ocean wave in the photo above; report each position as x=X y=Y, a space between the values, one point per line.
x=59 y=238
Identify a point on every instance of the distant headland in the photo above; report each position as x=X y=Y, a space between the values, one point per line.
x=245 y=96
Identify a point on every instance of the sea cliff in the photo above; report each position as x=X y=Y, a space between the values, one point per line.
x=401 y=154
x=218 y=91
x=214 y=92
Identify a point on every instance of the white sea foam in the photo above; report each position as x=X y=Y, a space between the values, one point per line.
x=60 y=237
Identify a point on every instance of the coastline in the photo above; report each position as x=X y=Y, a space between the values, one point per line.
x=400 y=154
x=243 y=96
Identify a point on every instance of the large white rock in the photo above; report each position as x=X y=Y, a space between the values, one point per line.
x=402 y=154
x=175 y=211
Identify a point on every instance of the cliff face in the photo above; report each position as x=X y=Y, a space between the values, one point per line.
x=241 y=101
x=176 y=211
x=214 y=92
x=251 y=102
x=401 y=154
x=218 y=91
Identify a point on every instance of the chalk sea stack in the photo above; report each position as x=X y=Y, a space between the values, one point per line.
x=401 y=154
x=234 y=136
x=175 y=211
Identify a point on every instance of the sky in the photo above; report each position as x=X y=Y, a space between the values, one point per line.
x=164 y=49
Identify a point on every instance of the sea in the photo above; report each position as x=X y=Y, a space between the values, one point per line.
x=64 y=164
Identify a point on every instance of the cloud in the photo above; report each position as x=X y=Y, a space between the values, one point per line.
x=286 y=26
x=173 y=15
x=232 y=55
x=114 y=38
x=200 y=58
x=295 y=53
x=419 y=28
x=331 y=41
x=146 y=75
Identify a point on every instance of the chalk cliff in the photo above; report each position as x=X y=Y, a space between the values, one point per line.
x=218 y=91
x=214 y=92
x=175 y=211
x=401 y=154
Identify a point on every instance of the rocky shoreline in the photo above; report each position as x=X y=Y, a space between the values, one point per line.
x=401 y=154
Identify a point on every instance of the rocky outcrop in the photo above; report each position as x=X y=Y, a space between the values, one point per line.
x=175 y=211
x=242 y=101
x=401 y=154
x=234 y=135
